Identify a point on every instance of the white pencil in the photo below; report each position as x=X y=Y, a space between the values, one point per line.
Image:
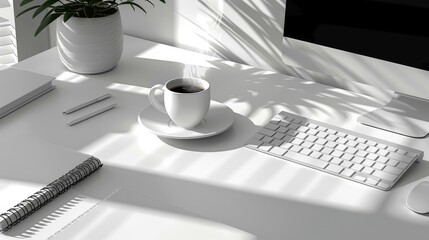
x=90 y=115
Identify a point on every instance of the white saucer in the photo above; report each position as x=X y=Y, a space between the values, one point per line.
x=218 y=119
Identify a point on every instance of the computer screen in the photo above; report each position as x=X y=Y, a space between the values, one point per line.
x=379 y=43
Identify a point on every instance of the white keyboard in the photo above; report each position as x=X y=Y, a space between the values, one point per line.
x=357 y=157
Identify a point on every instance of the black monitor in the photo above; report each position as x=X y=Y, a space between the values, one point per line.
x=382 y=43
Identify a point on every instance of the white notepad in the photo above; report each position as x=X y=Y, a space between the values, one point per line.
x=28 y=164
x=19 y=87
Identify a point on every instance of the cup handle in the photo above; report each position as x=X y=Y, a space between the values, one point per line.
x=153 y=100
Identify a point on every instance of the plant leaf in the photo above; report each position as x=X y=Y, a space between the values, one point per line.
x=68 y=15
x=44 y=6
x=48 y=13
x=89 y=11
x=26 y=10
x=25 y=2
x=46 y=21
x=153 y=5
x=132 y=5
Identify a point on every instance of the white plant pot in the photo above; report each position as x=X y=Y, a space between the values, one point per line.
x=90 y=45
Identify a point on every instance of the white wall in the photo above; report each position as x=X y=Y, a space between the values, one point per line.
x=25 y=27
x=245 y=31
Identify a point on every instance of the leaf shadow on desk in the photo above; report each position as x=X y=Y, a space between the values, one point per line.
x=244 y=209
x=235 y=137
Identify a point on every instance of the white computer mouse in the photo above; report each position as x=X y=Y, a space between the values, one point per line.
x=418 y=198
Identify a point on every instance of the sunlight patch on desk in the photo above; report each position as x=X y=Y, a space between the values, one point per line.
x=71 y=77
x=146 y=219
x=172 y=54
x=128 y=88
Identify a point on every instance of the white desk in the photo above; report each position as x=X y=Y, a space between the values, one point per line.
x=216 y=177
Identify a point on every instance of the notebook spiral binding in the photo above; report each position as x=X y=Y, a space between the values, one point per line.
x=40 y=198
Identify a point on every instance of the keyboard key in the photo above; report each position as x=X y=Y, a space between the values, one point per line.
x=316 y=147
x=372 y=149
x=368 y=163
x=367 y=170
x=311 y=138
x=347 y=157
x=342 y=141
x=402 y=152
x=362 y=146
x=372 y=156
x=381 y=145
x=297 y=141
x=267 y=132
x=305 y=151
x=301 y=135
x=278 y=150
x=382 y=152
x=337 y=154
x=327 y=150
x=282 y=130
x=379 y=166
x=271 y=126
x=265 y=147
x=276 y=142
x=321 y=134
x=296 y=148
x=336 y=160
x=331 y=138
x=351 y=150
x=331 y=144
x=316 y=154
x=334 y=168
x=326 y=158
x=286 y=145
x=347 y=172
x=341 y=134
x=346 y=164
x=267 y=139
x=385 y=175
x=357 y=167
x=351 y=137
x=352 y=143
x=382 y=160
x=392 y=162
x=279 y=135
x=411 y=154
x=372 y=180
x=383 y=185
x=400 y=157
x=359 y=177
x=307 y=144
x=321 y=141
x=341 y=147
x=258 y=136
x=357 y=159
x=402 y=165
x=392 y=170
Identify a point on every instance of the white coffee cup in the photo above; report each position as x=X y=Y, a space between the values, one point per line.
x=186 y=100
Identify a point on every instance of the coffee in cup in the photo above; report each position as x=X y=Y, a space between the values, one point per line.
x=186 y=100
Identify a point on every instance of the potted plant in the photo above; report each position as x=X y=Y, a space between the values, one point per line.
x=89 y=35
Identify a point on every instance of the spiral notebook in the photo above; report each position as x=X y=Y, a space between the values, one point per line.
x=34 y=177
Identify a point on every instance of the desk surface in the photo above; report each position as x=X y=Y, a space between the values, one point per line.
x=216 y=177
